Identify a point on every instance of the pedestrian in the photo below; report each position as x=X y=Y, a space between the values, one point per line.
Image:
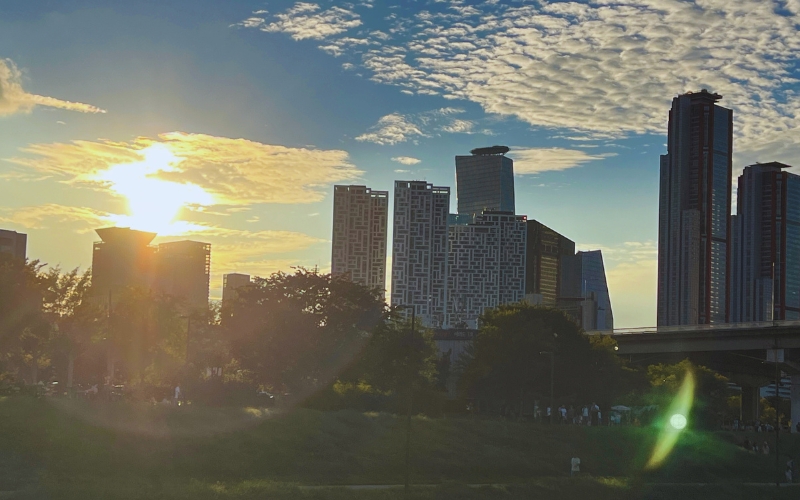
x=177 y=399
x=789 y=472
x=585 y=415
x=547 y=415
x=765 y=448
x=575 y=466
x=595 y=414
x=562 y=411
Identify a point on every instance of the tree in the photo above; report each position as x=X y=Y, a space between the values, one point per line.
x=25 y=334
x=509 y=361
x=300 y=330
x=77 y=320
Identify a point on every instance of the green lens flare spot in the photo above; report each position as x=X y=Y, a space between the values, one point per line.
x=677 y=421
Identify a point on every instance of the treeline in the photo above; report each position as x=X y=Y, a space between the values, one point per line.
x=313 y=339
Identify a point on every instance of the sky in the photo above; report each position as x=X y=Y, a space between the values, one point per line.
x=229 y=122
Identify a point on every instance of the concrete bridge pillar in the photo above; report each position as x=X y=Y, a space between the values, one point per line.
x=750 y=399
x=795 y=395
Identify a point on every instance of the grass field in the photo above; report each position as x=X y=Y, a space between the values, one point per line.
x=72 y=449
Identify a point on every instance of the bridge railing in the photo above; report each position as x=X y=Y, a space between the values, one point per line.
x=694 y=328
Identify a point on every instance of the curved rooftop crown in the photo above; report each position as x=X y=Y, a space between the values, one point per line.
x=491 y=150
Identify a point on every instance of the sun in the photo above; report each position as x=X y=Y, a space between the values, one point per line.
x=153 y=204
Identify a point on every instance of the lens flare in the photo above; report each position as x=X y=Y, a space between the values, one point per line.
x=671 y=430
x=677 y=421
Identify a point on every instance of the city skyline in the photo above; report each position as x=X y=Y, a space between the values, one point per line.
x=190 y=120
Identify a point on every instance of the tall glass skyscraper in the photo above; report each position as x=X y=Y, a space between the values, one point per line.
x=583 y=277
x=694 y=212
x=766 y=245
x=485 y=181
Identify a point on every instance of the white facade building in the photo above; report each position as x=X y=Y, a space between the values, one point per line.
x=419 y=249
x=360 y=216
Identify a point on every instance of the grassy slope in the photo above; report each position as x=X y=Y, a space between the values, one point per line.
x=73 y=450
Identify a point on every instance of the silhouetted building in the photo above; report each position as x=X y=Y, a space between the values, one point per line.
x=545 y=251
x=694 y=212
x=183 y=269
x=124 y=258
x=584 y=291
x=230 y=283
x=765 y=282
x=360 y=217
x=14 y=243
x=419 y=249
x=486 y=265
x=485 y=181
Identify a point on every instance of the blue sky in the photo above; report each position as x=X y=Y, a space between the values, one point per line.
x=229 y=122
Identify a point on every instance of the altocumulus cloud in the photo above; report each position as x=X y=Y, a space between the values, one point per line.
x=234 y=171
x=395 y=128
x=14 y=99
x=603 y=66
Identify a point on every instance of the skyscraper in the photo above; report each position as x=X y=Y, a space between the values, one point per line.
x=14 y=243
x=485 y=181
x=230 y=282
x=123 y=258
x=545 y=250
x=766 y=245
x=182 y=270
x=694 y=212
x=485 y=266
x=359 y=234
x=419 y=249
x=584 y=290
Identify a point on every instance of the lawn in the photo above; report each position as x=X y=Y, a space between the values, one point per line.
x=73 y=449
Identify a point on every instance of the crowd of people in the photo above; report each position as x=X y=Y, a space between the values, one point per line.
x=586 y=415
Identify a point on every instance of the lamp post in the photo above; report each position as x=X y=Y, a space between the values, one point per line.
x=411 y=337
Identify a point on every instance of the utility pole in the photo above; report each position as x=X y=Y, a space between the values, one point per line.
x=411 y=340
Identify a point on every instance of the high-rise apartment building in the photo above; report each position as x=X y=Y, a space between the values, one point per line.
x=183 y=270
x=419 y=249
x=584 y=290
x=485 y=266
x=545 y=251
x=124 y=258
x=694 y=212
x=485 y=181
x=14 y=243
x=765 y=282
x=360 y=218
x=231 y=282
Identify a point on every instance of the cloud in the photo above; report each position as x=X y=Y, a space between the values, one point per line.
x=52 y=214
x=406 y=160
x=306 y=21
x=233 y=171
x=395 y=128
x=535 y=160
x=608 y=67
x=14 y=99
x=391 y=129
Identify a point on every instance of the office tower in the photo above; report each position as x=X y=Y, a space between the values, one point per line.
x=230 y=282
x=124 y=258
x=419 y=249
x=485 y=181
x=584 y=291
x=485 y=265
x=14 y=243
x=359 y=234
x=766 y=245
x=545 y=250
x=694 y=212
x=182 y=270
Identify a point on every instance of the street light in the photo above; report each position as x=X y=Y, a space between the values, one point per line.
x=410 y=395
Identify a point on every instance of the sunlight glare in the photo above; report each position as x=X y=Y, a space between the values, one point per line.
x=153 y=203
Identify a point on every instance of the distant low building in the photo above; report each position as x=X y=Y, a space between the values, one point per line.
x=14 y=243
x=230 y=283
